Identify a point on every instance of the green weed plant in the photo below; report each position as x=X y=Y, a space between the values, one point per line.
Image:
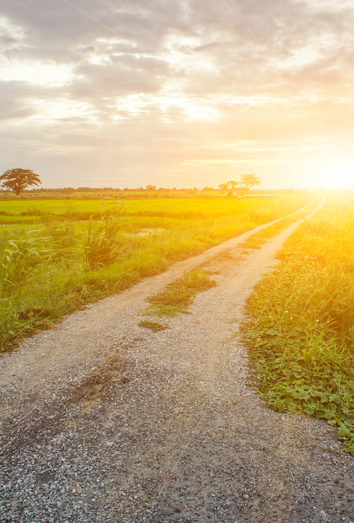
x=104 y=244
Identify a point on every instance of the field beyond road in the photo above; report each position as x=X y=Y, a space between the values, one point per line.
x=37 y=211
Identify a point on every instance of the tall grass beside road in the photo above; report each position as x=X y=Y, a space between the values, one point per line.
x=50 y=269
x=300 y=326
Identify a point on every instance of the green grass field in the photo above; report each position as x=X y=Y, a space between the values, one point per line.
x=24 y=211
x=65 y=259
x=300 y=330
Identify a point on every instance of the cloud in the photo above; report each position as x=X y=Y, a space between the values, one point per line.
x=156 y=88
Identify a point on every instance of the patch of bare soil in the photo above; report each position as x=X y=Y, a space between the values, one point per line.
x=107 y=421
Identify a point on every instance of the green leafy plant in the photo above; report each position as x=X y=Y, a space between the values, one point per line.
x=19 y=259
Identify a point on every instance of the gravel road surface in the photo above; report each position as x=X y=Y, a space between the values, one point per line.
x=105 y=421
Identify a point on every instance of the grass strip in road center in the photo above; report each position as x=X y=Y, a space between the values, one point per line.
x=179 y=295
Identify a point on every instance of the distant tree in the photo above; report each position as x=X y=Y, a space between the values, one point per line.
x=150 y=188
x=19 y=179
x=68 y=191
x=249 y=181
x=229 y=188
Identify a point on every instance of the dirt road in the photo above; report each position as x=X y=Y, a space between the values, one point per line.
x=106 y=421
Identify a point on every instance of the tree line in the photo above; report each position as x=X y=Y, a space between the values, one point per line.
x=17 y=180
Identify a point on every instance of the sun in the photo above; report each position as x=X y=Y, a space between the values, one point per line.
x=334 y=174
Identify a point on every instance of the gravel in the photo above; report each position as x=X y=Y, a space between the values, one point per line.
x=105 y=421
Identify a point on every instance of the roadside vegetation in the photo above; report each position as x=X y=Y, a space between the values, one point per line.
x=259 y=238
x=80 y=252
x=300 y=326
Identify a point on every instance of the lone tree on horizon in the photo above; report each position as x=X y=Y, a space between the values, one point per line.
x=250 y=180
x=240 y=188
x=19 y=179
x=229 y=187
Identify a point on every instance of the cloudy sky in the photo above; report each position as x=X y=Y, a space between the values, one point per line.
x=185 y=93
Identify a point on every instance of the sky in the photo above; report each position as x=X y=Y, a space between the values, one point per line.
x=187 y=93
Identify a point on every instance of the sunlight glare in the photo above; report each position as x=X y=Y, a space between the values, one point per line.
x=334 y=174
